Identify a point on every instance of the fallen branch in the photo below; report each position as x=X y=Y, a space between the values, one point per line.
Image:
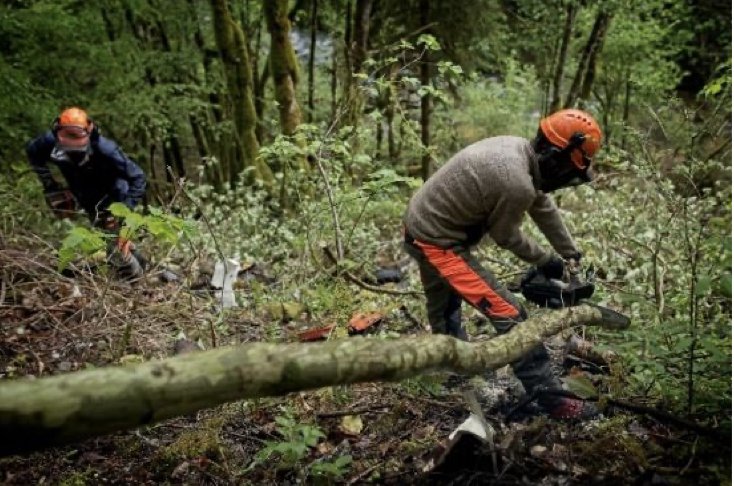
x=361 y=283
x=65 y=408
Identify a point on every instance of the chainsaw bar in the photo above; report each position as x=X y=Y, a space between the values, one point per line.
x=555 y=294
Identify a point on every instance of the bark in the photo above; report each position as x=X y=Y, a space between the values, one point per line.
x=590 y=73
x=425 y=100
x=232 y=45
x=356 y=54
x=312 y=59
x=65 y=408
x=283 y=64
x=588 y=56
x=201 y=126
x=626 y=109
x=562 y=54
x=334 y=76
x=152 y=32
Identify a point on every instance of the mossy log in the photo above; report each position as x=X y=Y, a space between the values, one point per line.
x=60 y=409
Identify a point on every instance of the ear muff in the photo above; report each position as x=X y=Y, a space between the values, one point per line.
x=55 y=126
x=576 y=141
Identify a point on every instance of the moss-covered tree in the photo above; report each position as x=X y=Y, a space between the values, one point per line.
x=232 y=44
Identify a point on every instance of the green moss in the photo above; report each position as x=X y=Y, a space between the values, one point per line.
x=203 y=440
x=78 y=478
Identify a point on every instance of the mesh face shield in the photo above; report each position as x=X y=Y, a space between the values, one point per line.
x=74 y=141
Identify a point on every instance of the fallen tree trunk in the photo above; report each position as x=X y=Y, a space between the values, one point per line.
x=65 y=408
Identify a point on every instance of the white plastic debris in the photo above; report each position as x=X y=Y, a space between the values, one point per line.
x=225 y=274
x=472 y=425
x=75 y=292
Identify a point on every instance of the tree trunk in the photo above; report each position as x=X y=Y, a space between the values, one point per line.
x=596 y=38
x=356 y=55
x=562 y=54
x=202 y=126
x=334 y=77
x=425 y=100
x=232 y=45
x=65 y=408
x=626 y=109
x=588 y=81
x=283 y=64
x=312 y=60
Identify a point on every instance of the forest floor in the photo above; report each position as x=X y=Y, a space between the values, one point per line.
x=394 y=433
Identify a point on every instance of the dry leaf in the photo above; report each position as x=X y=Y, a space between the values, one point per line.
x=360 y=322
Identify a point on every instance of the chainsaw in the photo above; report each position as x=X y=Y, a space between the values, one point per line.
x=558 y=293
x=569 y=291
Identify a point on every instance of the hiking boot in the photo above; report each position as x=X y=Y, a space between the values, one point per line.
x=572 y=408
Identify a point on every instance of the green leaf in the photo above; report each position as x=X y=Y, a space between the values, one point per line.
x=119 y=210
x=581 y=386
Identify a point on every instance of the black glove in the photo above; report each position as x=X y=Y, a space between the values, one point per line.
x=553 y=268
x=62 y=203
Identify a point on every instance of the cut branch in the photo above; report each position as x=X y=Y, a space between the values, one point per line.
x=60 y=409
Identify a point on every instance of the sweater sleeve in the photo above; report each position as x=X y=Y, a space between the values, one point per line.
x=39 y=151
x=546 y=216
x=504 y=227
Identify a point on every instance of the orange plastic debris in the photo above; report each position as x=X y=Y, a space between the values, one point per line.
x=315 y=333
x=360 y=322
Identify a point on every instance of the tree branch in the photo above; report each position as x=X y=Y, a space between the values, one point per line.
x=65 y=408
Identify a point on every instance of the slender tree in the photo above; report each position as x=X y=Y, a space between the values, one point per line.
x=232 y=45
x=426 y=101
x=283 y=64
x=571 y=10
x=312 y=59
x=587 y=61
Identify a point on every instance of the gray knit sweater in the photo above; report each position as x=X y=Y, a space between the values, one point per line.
x=487 y=188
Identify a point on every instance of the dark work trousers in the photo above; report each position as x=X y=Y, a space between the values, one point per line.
x=450 y=276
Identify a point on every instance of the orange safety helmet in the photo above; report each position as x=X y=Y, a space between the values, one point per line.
x=72 y=129
x=573 y=127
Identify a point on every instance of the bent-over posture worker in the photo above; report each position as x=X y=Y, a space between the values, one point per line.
x=487 y=188
x=96 y=171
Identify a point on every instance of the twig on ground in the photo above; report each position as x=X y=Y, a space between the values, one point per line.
x=373 y=288
x=359 y=477
x=354 y=411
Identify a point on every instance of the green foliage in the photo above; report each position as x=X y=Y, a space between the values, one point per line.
x=296 y=441
x=663 y=253
x=80 y=241
x=333 y=470
x=85 y=242
x=163 y=227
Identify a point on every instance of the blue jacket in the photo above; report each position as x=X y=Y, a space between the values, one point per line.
x=108 y=176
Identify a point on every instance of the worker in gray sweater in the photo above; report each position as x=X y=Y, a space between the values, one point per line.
x=487 y=188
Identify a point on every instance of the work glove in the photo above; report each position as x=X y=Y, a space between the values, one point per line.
x=62 y=203
x=124 y=259
x=107 y=222
x=553 y=268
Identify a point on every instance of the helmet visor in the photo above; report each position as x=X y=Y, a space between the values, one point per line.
x=72 y=138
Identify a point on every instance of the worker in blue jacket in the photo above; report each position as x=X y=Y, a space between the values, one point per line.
x=96 y=170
